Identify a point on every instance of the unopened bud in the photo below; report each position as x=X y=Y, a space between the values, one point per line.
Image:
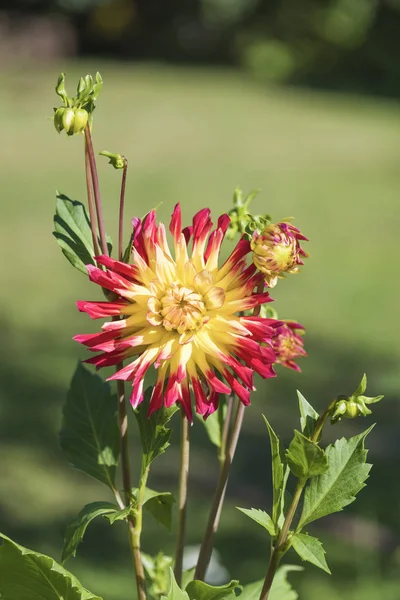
x=72 y=120
x=116 y=160
x=277 y=251
x=355 y=405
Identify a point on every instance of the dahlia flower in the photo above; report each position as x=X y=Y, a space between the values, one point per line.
x=276 y=251
x=183 y=314
x=288 y=344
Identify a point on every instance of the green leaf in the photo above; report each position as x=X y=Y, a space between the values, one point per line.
x=187 y=577
x=280 y=474
x=73 y=232
x=345 y=477
x=76 y=528
x=159 y=504
x=308 y=416
x=89 y=434
x=175 y=592
x=310 y=548
x=214 y=424
x=305 y=458
x=118 y=515
x=260 y=517
x=154 y=434
x=198 y=590
x=280 y=590
x=28 y=575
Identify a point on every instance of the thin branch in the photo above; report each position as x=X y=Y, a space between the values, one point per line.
x=215 y=512
x=121 y=212
x=91 y=207
x=96 y=190
x=182 y=499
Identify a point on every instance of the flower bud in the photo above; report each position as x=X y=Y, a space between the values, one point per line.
x=276 y=251
x=116 y=160
x=58 y=115
x=288 y=344
x=355 y=405
x=73 y=120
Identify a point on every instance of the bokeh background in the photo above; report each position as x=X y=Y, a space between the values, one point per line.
x=297 y=98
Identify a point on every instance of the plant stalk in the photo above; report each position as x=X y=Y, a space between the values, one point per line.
x=182 y=497
x=91 y=207
x=226 y=428
x=280 y=545
x=215 y=512
x=121 y=211
x=96 y=190
x=135 y=531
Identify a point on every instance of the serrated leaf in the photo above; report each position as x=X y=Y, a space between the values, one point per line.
x=154 y=434
x=159 y=504
x=89 y=434
x=310 y=548
x=174 y=592
x=73 y=232
x=214 y=424
x=335 y=489
x=76 y=528
x=308 y=416
x=198 y=590
x=28 y=575
x=305 y=458
x=280 y=474
x=280 y=590
x=260 y=517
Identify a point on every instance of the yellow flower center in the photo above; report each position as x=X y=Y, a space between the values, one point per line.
x=182 y=309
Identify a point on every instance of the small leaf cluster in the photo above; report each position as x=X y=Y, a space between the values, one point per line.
x=77 y=111
x=243 y=222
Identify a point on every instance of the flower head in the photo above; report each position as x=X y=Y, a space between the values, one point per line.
x=288 y=344
x=181 y=313
x=277 y=250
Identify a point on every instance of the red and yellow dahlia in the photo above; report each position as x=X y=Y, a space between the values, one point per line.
x=277 y=250
x=288 y=344
x=183 y=314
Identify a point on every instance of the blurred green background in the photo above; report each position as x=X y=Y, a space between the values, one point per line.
x=194 y=127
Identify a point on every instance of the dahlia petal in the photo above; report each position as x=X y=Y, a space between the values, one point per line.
x=216 y=384
x=185 y=402
x=137 y=395
x=97 y=310
x=200 y=396
x=214 y=298
x=176 y=222
x=117 y=266
x=242 y=392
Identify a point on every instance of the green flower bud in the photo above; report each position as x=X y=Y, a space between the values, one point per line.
x=58 y=115
x=116 y=160
x=355 y=405
x=73 y=120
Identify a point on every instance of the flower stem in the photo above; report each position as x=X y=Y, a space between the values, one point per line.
x=226 y=428
x=280 y=546
x=215 y=512
x=121 y=212
x=96 y=190
x=182 y=499
x=135 y=531
x=92 y=214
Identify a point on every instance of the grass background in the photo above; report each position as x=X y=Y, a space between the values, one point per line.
x=192 y=136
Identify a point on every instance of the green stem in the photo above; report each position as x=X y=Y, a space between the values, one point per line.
x=226 y=428
x=96 y=190
x=215 y=512
x=135 y=530
x=92 y=213
x=121 y=211
x=182 y=499
x=280 y=546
